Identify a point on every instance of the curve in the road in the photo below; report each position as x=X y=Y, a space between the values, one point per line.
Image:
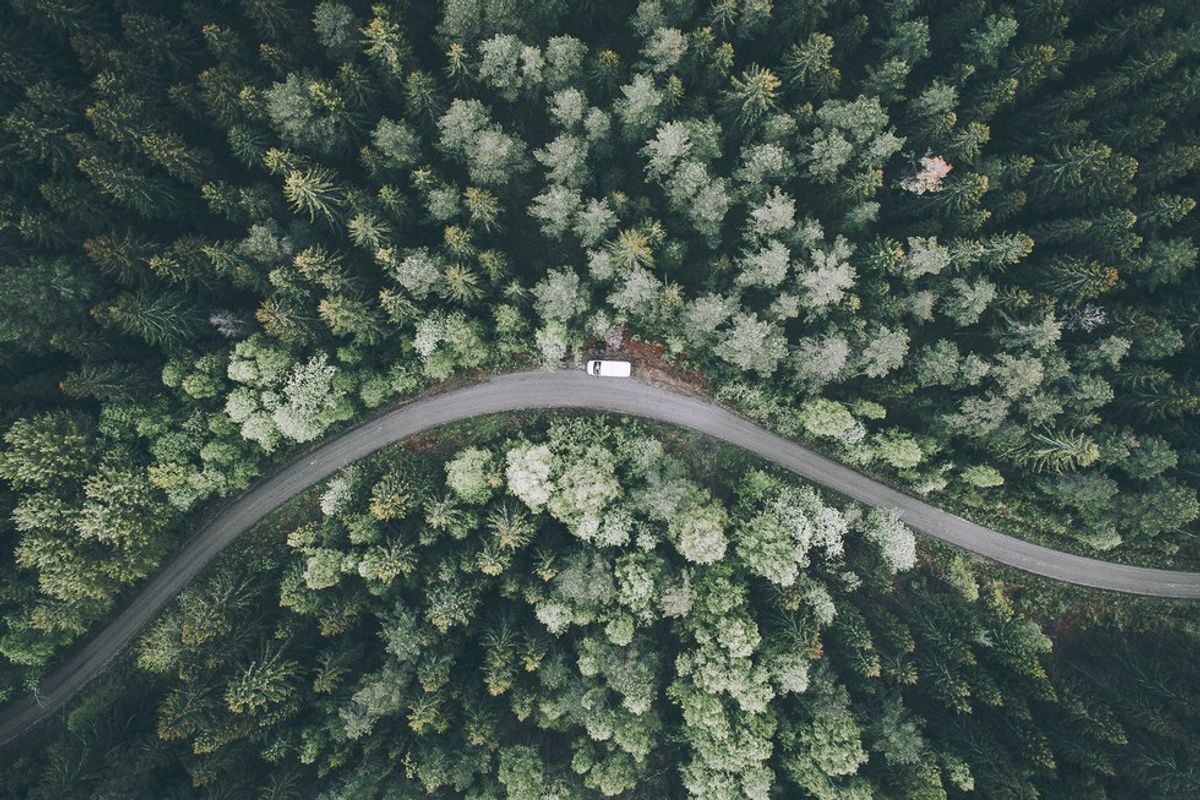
x=563 y=389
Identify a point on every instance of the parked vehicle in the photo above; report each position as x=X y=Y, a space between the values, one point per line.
x=609 y=369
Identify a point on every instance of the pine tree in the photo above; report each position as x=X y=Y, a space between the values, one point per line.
x=314 y=192
x=176 y=157
x=1055 y=451
x=385 y=44
x=52 y=447
x=752 y=95
x=109 y=382
x=808 y=67
x=41 y=298
x=285 y=320
x=157 y=318
x=263 y=683
x=346 y=316
x=148 y=195
x=1090 y=170
x=1080 y=280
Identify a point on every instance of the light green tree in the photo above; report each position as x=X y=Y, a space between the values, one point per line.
x=472 y=475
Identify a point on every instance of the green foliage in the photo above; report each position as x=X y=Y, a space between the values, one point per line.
x=471 y=475
x=952 y=245
x=41 y=451
x=494 y=653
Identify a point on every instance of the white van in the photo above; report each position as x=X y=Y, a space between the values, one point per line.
x=609 y=369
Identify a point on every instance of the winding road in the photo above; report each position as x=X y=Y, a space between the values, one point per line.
x=559 y=389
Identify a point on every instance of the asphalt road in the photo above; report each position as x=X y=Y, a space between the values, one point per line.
x=560 y=389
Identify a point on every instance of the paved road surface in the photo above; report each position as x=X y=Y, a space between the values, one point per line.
x=562 y=389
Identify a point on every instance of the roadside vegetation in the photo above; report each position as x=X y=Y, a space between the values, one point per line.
x=952 y=243
x=567 y=611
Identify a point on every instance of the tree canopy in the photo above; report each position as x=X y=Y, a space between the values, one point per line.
x=953 y=244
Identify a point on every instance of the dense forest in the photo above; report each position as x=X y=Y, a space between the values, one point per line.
x=952 y=243
x=575 y=611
